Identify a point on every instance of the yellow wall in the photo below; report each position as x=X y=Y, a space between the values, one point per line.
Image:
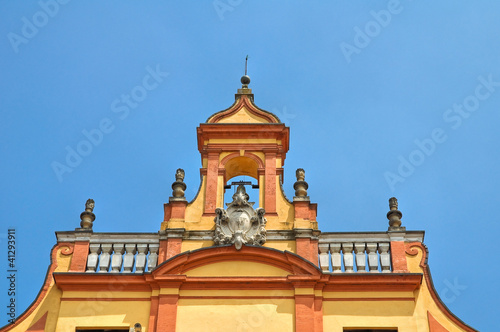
x=235 y=269
x=220 y=315
x=107 y=314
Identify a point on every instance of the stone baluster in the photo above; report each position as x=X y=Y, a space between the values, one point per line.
x=371 y=250
x=117 y=260
x=128 y=260
x=385 y=257
x=93 y=257
x=323 y=257
x=105 y=258
x=359 y=250
x=140 y=260
x=348 y=257
x=153 y=256
x=336 y=257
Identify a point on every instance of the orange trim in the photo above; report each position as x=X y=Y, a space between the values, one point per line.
x=235 y=297
x=178 y=209
x=318 y=314
x=410 y=250
x=377 y=282
x=167 y=313
x=279 y=132
x=68 y=281
x=304 y=313
x=211 y=189
x=66 y=249
x=162 y=251
x=153 y=313
x=79 y=259
x=398 y=257
x=70 y=299
x=304 y=247
x=434 y=325
x=173 y=247
x=270 y=183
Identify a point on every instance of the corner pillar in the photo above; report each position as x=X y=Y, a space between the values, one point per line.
x=81 y=251
x=398 y=252
x=306 y=241
x=270 y=183
x=308 y=306
x=167 y=312
x=170 y=243
x=212 y=181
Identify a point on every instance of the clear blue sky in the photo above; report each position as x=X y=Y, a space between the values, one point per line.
x=364 y=86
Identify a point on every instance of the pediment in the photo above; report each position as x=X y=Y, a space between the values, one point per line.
x=249 y=261
x=243 y=111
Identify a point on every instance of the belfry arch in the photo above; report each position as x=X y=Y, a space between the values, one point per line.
x=236 y=164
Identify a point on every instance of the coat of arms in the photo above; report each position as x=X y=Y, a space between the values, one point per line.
x=240 y=223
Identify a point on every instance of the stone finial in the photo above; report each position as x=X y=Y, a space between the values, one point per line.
x=301 y=185
x=179 y=186
x=88 y=216
x=394 y=216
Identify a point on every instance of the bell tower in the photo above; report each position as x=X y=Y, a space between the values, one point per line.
x=244 y=140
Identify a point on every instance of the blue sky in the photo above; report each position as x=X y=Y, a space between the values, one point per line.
x=383 y=98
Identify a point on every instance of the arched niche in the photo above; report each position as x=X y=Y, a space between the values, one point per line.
x=236 y=164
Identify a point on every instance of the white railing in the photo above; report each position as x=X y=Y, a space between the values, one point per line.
x=355 y=257
x=122 y=257
x=122 y=252
x=359 y=252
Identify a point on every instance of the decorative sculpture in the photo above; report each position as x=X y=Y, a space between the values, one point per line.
x=179 y=186
x=301 y=185
x=88 y=216
x=240 y=224
x=394 y=216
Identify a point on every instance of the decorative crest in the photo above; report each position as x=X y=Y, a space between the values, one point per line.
x=240 y=224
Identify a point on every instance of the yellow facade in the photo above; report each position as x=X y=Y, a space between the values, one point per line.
x=291 y=277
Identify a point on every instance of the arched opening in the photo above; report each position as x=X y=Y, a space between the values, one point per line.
x=251 y=187
x=242 y=170
x=241 y=165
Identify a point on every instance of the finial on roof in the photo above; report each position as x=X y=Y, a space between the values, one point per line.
x=179 y=186
x=394 y=216
x=88 y=216
x=245 y=79
x=300 y=186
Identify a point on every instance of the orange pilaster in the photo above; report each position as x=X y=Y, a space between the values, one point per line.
x=173 y=247
x=398 y=257
x=307 y=248
x=178 y=209
x=169 y=248
x=211 y=190
x=270 y=183
x=318 y=314
x=304 y=313
x=167 y=313
x=79 y=259
x=153 y=314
